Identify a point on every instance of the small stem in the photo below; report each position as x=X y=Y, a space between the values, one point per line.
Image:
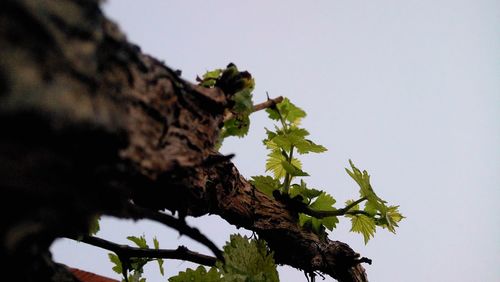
x=258 y=107
x=288 y=177
x=124 y=251
x=339 y=212
x=136 y=212
x=353 y=204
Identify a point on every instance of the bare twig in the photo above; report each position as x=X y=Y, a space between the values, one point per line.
x=124 y=251
x=137 y=212
x=258 y=107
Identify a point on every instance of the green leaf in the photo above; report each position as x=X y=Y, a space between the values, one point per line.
x=273 y=113
x=274 y=163
x=307 y=146
x=117 y=263
x=199 y=274
x=296 y=137
x=265 y=184
x=210 y=78
x=307 y=193
x=139 y=241
x=290 y=112
x=136 y=277
x=370 y=208
x=324 y=202
x=390 y=219
x=363 y=180
x=287 y=110
x=94 y=225
x=237 y=126
x=160 y=261
x=247 y=260
x=293 y=170
x=212 y=74
x=364 y=225
x=243 y=102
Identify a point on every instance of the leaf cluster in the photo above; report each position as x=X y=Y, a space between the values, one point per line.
x=245 y=260
x=133 y=268
x=376 y=210
x=316 y=208
x=238 y=87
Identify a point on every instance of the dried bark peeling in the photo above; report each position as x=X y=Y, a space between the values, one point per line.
x=89 y=122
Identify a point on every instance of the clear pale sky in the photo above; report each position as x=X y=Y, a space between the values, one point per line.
x=410 y=90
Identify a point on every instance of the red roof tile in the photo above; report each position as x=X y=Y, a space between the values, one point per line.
x=85 y=276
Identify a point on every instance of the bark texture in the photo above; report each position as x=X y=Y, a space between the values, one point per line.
x=89 y=122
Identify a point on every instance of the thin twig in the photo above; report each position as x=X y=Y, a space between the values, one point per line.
x=339 y=212
x=137 y=212
x=258 y=107
x=124 y=251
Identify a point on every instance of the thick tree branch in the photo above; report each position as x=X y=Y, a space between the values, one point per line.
x=124 y=251
x=89 y=123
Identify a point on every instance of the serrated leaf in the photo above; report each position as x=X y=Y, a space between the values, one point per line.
x=330 y=222
x=136 y=277
x=363 y=180
x=139 y=241
x=199 y=274
x=274 y=163
x=247 y=260
x=307 y=146
x=243 y=102
x=324 y=202
x=94 y=225
x=370 y=208
x=307 y=193
x=290 y=112
x=212 y=74
x=390 y=219
x=265 y=184
x=364 y=225
x=117 y=264
x=273 y=114
x=295 y=137
x=237 y=126
x=293 y=170
x=160 y=261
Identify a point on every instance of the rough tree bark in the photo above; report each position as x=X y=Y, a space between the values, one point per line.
x=89 y=122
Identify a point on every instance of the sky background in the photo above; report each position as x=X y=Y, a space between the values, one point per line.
x=409 y=90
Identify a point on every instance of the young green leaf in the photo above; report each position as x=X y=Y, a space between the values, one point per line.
x=290 y=112
x=139 y=241
x=247 y=260
x=160 y=261
x=307 y=193
x=265 y=184
x=237 y=126
x=274 y=163
x=390 y=219
x=117 y=267
x=364 y=225
x=243 y=102
x=293 y=170
x=94 y=225
x=199 y=274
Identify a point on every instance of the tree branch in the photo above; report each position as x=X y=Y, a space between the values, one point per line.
x=137 y=212
x=181 y=253
x=258 y=107
x=90 y=122
x=339 y=212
